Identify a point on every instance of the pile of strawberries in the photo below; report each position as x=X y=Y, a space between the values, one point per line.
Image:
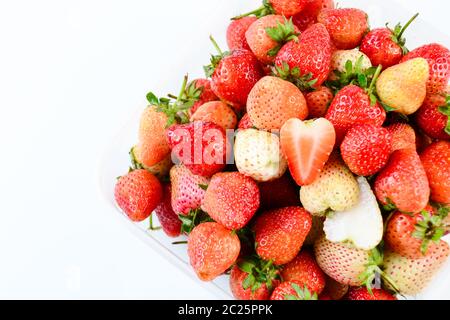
x=336 y=183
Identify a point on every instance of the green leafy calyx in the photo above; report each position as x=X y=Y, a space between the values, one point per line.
x=399 y=30
x=193 y=219
x=259 y=272
x=301 y=293
x=445 y=110
x=265 y=10
x=430 y=228
x=303 y=82
x=282 y=33
x=215 y=59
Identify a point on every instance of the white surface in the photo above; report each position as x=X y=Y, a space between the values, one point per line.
x=71 y=72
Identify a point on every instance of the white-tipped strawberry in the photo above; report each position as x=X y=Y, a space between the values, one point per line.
x=362 y=225
x=258 y=155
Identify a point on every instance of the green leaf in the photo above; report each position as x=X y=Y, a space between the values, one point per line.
x=247 y=266
x=203 y=186
x=152 y=99
x=249 y=281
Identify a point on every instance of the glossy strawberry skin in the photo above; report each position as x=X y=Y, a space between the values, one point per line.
x=207 y=94
x=318 y=102
x=399 y=235
x=430 y=120
x=167 y=218
x=236 y=33
x=403 y=136
x=403 y=182
x=235 y=76
x=305 y=270
x=279 y=193
x=308 y=16
x=346 y=27
x=231 y=199
x=285 y=289
x=311 y=53
x=351 y=106
x=212 y=249
x=237 y=278
x=436 y=161
x=200 y=146
x=137 y=194
x=362 y=293
x=381 y=49
x=279 y=234
x=288 y=8
x=438 y=58
x=366 y=149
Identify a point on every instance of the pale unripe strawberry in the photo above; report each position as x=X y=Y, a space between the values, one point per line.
x=404 y=86
x=258 y=155
x=412 y=275
x=336 y=188
x=217 y=112
x=160 y=170
x=340 y=57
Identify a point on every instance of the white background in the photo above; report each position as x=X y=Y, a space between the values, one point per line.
x=71 y=73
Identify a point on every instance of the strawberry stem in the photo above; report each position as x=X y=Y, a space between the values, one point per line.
x=375 y=78
x=214 y=42
x=152 y=227
x=407 y=25
x=255 y=12
x=179 y=242
x=183 y=88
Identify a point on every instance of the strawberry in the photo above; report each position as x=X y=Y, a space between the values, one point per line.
x=310 y=55
x=233 y=74
x=403 y=136
x=201 y=146
x=268 y=34
x=336 y=188
x=414 y=235
x=436 y=162
x=201 y=92
x=362 y=225
x=333 y=289
x=160 y=170
x=279 y=193
x=412 y=275
x=288 y=8
x=152 y=147
x=292 y=290
x=279 y=234
x=253 y=279
x=438 y=58
x=316 y=230
x=273 y=101
x=236 y=33
x=352 y=106
x=347 y=63
x=305 y=270
x=231 y=199
x=318 y=102
x=366 y=149
x=386 y=46
x=362 y=293
x=245 y=122
x=187 y=191
x=212 y=250
x=307 y=147
x=308 y=16
x=216 y=112
x=434 y=116
x=168 y=219
x=346 y=27
x=137 y=194
x=403 y=182
x=403 y=87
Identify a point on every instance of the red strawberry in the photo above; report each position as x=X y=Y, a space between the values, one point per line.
x=212 y=250
x=334 y=290
x=279 y=193
x=434 y=117
x=200 y=146
x=310 y=55
x=168 y=219
x=403 y=136
x=352 y=106
x=346 y=27
x=187 y=191
x=403 y=182
x=414 y=235
x=253 y=279
x=245 y=123
x=366 y=149
x=267 y=35
x=231 y=199
x=201 y=91
x=216 y=112
x=292 y=290
x=279 y=234
x=137 y=194
x=305 y=270
x=288 y=8
x=236 y=33
x=438 y=58
x=362 y=293
x=436 y=161
x=308 y=16
x=307 y=147
x=385 y=46
x=233 y=75
x=318 y=102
